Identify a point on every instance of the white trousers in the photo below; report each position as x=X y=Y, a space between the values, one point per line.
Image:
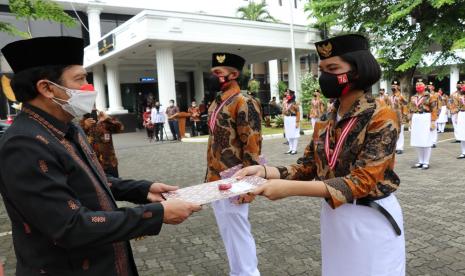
x=293 y=142
x=234 y=227
x=359 y=241
x=434 y=135
x=441 y=127
x=462 y=146
x=454 y=123
x=400 y=140
x=424 y=155
x=314 y=120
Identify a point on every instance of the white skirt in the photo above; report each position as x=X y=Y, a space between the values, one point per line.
x=420 y=135
x=443 y=118
x=289 y=127
x=460 y=134
x=359 y=240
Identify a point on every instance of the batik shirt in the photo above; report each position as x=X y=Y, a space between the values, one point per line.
x=399 y=104
x=365 y=165
x=100 y=138
x=452 y=100
x=459 y=102
x=317 y=108
x=424 y=103
x=236 y=137
x=195 y=113
x=291 y=109
x=382 y=100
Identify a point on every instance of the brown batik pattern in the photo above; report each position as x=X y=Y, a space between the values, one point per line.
x=237 y=135
x=317 y=108
x=400 y=105
x=365 y=166
x=428 y=105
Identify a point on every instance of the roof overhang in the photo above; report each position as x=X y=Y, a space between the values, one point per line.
x=195 y=37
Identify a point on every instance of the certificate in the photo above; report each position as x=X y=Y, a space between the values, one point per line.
x=208 y=192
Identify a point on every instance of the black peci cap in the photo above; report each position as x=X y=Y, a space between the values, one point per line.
x=227 y=60
x=340 y=45
x=395 y=82
x=44 y=51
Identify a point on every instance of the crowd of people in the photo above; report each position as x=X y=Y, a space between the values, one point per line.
x=349 y=162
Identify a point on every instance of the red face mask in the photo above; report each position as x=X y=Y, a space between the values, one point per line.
x=289 y=97
x=463 y=88
x=420 y=89
x=87 y=87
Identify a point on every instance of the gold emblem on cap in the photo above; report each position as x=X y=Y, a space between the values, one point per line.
x=325 y=49
x=221 y=58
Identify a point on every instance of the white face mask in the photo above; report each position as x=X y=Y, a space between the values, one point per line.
x=80 y=102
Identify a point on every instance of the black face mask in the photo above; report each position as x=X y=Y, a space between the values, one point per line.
x=334 y=86
x=214 y=83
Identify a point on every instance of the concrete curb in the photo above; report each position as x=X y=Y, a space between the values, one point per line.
x=265 y=137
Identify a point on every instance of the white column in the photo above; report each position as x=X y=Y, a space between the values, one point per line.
x=198 y=84
x=114 y=91
x=93 y=15
x=292 y=85
x=99 y=85
x=274 y=78
x=165 y=74
x=454 y=77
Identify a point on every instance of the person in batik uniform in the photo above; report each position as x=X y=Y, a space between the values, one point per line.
x=350 y=163
x=443 y=101
x=453 y=108
x=291 y=113
x=382 y=97
x=317 y=108
x=423 y=116
x=459 y=102
x=100 y=137
x=434 y=97
x=235 y=141
x=399 y=104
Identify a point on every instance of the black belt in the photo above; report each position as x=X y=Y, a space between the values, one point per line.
x=369 y=202
x=420 y=112
x=291 y=115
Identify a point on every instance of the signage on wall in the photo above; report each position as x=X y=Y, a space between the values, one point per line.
x=106 y=45
x=147 y=79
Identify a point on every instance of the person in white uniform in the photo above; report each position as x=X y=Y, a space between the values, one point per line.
x=460 y=123
x=443 y=100
x=453 y=109
x=291 y=112
x=350 y=163
x=423 y=115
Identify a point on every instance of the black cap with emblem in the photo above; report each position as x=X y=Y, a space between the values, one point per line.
x=227 y=60
x=44 y=51
x=340 y=45
x=395 y=82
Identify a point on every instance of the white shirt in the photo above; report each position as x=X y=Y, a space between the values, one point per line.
x=158 y=116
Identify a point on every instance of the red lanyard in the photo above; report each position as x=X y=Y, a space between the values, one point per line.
x=419 y=101
x=332 y=158
x=212 y=122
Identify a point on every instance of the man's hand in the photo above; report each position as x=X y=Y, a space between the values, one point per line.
x=297 y=124
x=156 y=189
x=102 y=116
x=88 y=123
x=245 y=198
x=176 y=211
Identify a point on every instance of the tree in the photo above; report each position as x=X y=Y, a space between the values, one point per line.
x=309 y=83
x=403 y=32
x=35 y=10
x=255 y=12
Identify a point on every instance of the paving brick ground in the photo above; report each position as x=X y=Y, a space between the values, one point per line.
x=287 y=231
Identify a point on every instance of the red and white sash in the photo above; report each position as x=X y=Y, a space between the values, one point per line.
x=332 y=157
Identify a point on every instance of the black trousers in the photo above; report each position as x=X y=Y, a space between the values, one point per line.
x=159 y=131
x=174 y=127
x=195 y=128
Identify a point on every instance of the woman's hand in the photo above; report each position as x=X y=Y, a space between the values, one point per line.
x=256 y=170
x=273 y=189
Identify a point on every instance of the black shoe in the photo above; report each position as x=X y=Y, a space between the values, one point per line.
x=417 y=166
x=288 y=152
x=293 y=152
x=425 y=167
x=434 y=146
x=461 y=156
x=286 y=143
x=399 y=151
x=456 y=141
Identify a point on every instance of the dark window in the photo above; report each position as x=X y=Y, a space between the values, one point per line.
x=280 y=2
